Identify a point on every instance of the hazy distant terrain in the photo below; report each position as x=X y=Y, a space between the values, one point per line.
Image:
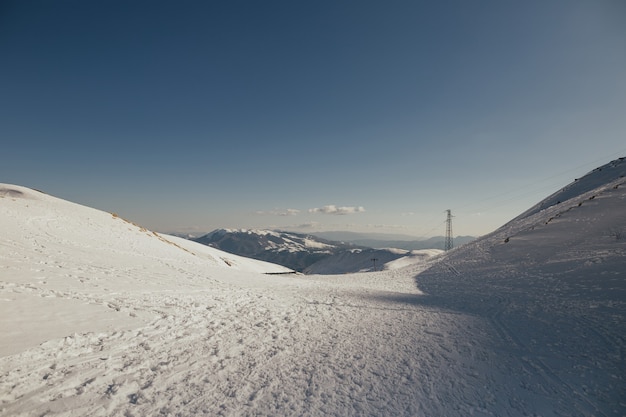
x=373 y=240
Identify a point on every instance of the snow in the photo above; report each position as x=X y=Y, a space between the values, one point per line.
x=310 y=243
x=414 y=257
x=283 y=242
x=102 y=317
x=368 y=260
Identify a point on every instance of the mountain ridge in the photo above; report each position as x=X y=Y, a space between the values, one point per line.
x=306 y=253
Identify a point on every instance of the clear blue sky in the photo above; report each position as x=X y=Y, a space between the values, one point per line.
x=197 y=115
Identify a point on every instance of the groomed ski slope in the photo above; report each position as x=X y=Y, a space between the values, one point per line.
x=101 y=317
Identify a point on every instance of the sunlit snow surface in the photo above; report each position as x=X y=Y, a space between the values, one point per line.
x=101 y=317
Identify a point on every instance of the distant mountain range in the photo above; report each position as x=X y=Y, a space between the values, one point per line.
x=314 y=254
x=381 y=240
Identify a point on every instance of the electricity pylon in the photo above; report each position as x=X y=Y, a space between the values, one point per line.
x=374 y=260
x=449 y=244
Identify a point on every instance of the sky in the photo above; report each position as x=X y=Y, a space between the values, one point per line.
x=366 y=116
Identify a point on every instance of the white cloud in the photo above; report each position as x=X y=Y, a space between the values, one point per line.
x=340 y=211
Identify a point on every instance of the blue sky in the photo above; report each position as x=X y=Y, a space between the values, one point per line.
x=321 y=115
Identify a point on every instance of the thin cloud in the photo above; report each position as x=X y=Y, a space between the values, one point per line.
x=339 y=211
x=310 y=225
x=282 y=213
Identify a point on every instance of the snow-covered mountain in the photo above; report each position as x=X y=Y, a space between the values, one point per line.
x=307 y=253
x=295 y=251
x=102 y=317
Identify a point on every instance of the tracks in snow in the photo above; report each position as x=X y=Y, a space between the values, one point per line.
x=237 y=351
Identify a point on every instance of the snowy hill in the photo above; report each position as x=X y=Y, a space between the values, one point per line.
x=552 y=283
x=102 y=317
x=367 y=260
x=35 y=214
x=62 y=249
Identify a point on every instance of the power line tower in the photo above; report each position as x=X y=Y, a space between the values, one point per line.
x=449 y=243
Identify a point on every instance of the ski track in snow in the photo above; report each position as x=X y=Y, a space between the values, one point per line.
x=111 y=319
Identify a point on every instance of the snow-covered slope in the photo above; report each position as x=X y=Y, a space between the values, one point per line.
x=101 y=317
x=552 y=283
x=54 y=248
x=598 y=178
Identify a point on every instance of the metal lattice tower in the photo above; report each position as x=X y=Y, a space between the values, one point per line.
x=449 y=244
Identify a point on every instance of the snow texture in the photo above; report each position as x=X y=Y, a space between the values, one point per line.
x=102 y=317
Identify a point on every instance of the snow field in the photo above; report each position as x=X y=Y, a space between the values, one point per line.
x=247 y=352
x=101 y=317
x=125 y=322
